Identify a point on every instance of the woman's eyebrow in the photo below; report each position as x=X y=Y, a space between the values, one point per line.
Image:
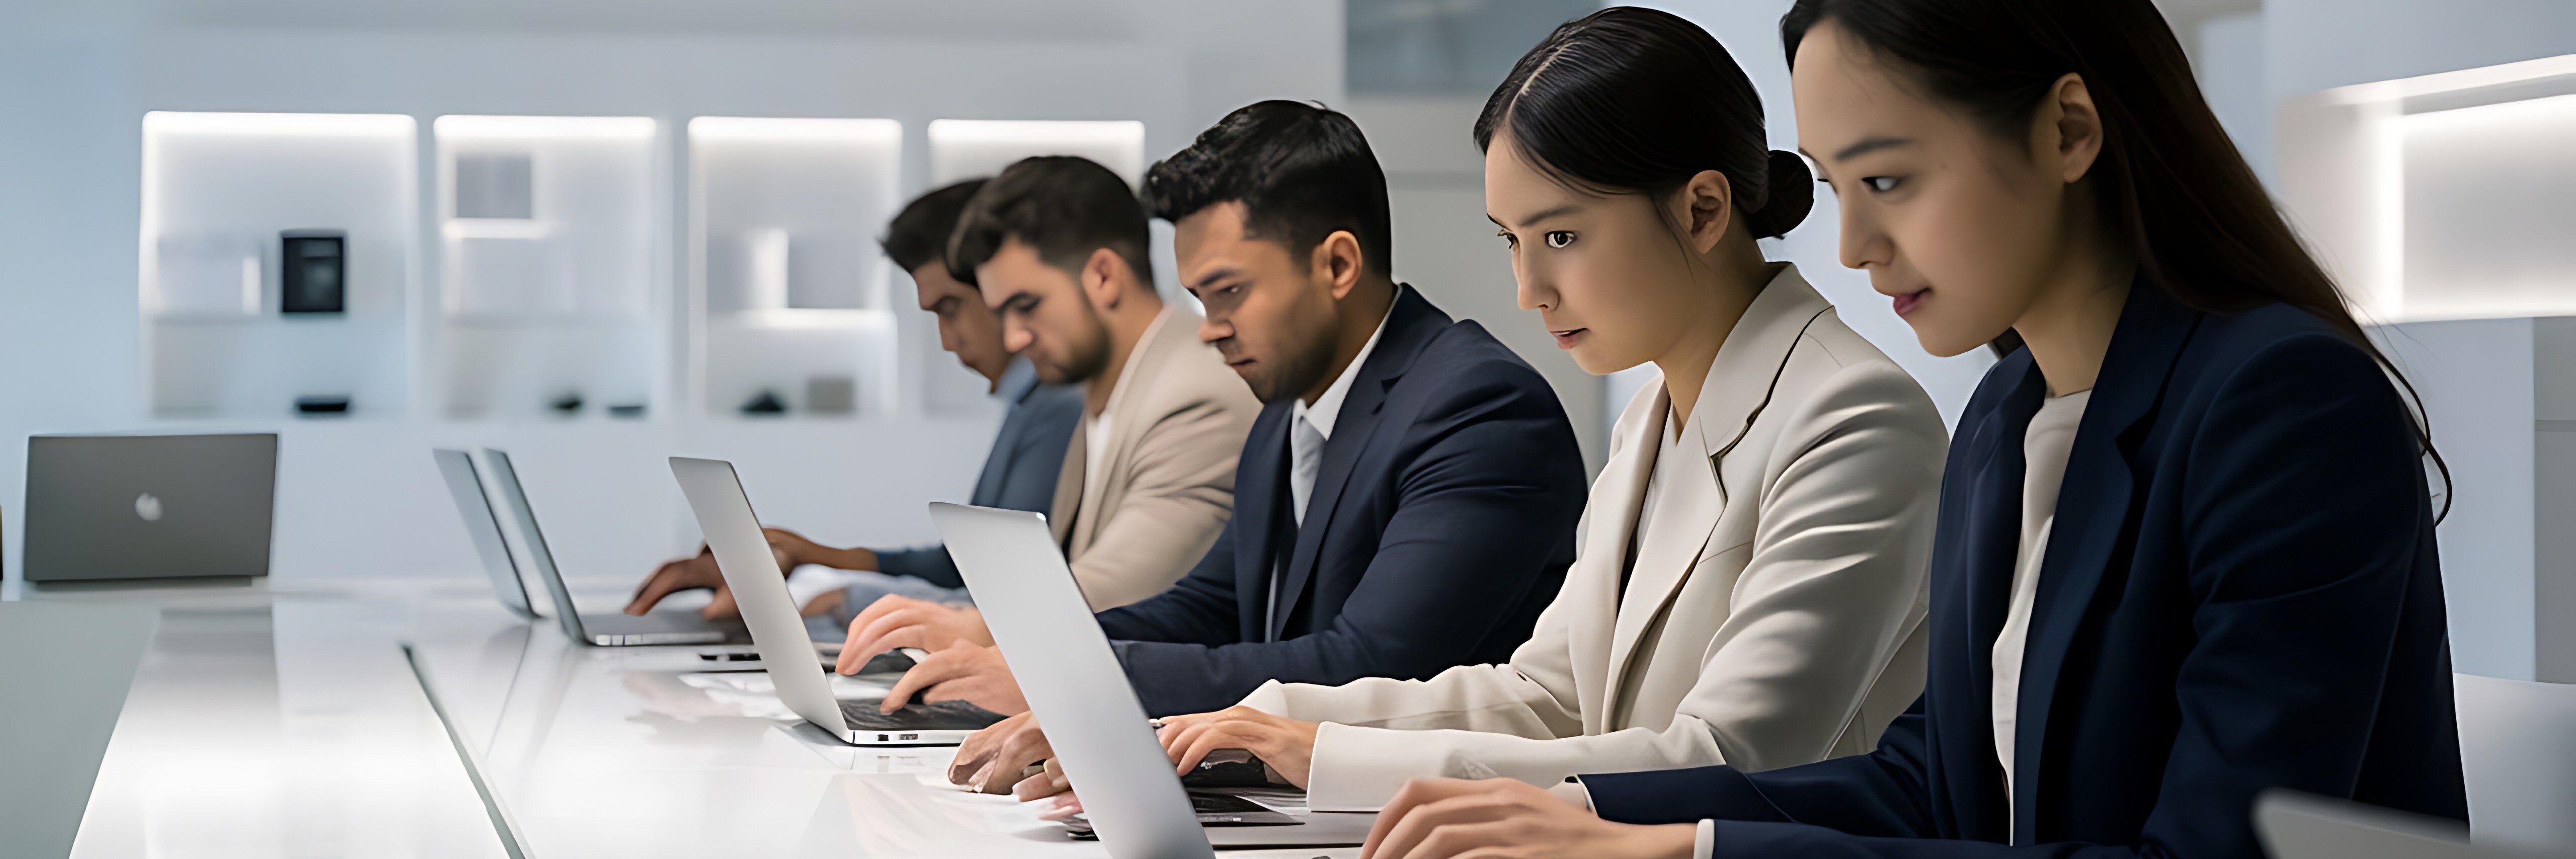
x=1868 y=145
x=1546 y=213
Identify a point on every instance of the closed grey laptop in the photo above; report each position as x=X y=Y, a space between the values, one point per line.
x=603 y=630
x=760 y=588
x=1061 y=659
x=149 y=506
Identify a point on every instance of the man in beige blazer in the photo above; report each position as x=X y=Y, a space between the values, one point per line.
x=1778 y=622
x=1057 y=246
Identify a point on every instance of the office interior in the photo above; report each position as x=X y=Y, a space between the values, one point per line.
x=693 y=270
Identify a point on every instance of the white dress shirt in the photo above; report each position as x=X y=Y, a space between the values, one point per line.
x=1309 y=427
x=2044 y=449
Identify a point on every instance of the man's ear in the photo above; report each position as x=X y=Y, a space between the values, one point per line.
x=1704 y=207
x=2077 y=126
x=1101 y=281
x=1337 y=262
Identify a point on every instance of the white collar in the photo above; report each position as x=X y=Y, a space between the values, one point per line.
x=1328 y=407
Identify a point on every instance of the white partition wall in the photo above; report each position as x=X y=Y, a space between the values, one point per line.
x=549 y=296
x=788 y=288
x=218 y=191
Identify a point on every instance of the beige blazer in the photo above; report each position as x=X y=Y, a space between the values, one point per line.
x=1177 y=420
x=1778 y=621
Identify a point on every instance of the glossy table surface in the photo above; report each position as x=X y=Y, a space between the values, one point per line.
x=268 y=723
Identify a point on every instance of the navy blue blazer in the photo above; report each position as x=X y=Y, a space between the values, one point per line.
x=1441 y=523
x=1019 y=474
x=2240 y=592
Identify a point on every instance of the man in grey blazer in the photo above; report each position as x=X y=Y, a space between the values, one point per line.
x=1019 y=473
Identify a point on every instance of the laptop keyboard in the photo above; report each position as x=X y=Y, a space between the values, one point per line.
x=942 y=716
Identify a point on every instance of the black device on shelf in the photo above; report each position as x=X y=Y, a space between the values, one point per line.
x=327 y=404
x=313 y=268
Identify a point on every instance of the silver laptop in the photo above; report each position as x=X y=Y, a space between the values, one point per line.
x=751 y=571
x=2294 y=825
x=603 y=630
x=1130 y=797
x=149 y=506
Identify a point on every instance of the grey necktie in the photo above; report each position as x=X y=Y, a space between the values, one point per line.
x=1305 y=461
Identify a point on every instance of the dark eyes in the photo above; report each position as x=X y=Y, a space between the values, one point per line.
x=1554 y=238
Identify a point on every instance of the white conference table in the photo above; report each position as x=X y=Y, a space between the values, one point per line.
x=273 y=723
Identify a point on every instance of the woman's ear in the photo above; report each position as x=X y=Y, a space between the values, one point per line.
x=1705 y=208
x=2073 y=136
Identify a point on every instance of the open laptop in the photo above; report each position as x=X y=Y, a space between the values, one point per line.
x=465 y=483
x=778 y=632
x=149 y=506
x=1131 y=799
x=2296 y=825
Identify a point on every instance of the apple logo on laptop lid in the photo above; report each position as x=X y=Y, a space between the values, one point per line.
x=148 y=506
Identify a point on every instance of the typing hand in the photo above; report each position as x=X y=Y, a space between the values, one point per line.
x=897 y=621
x=686 y=574
x=1287 y=745
x=700 y=571
x=991 y=760
x=1066 y=804
x=965 y=672
x=1437 y=818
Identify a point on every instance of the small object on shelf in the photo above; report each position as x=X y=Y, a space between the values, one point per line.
x=626 y=410
x=766 y=403
x=831 y=395
x=323 y=405
x=496 y=185
x=312 y=265
x=568 y=404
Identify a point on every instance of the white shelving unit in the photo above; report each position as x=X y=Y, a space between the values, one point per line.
x=218 y=189
x=2445 y=196
x=550 y=286
x=788 y=291
x=550 y=279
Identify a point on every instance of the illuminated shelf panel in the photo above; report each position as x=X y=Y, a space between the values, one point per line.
x=788 y=290
x=2445 y=196
x=549 y=300
x=220 y=192
x=963 y=149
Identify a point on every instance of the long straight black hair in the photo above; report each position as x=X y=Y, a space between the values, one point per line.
x=2170 y=182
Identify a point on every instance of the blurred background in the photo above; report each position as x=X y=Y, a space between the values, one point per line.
x=592 y=231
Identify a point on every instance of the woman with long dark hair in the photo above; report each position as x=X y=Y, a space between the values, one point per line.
x=2185 y=551
x=1749 y=584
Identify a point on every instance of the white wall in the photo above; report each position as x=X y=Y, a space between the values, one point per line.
x=358 y=498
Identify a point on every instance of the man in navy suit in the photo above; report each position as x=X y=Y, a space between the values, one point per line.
x=1406 y=501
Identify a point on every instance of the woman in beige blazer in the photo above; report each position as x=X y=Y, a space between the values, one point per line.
x=1749 y=587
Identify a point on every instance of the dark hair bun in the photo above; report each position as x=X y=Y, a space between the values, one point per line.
x=1787 y=195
